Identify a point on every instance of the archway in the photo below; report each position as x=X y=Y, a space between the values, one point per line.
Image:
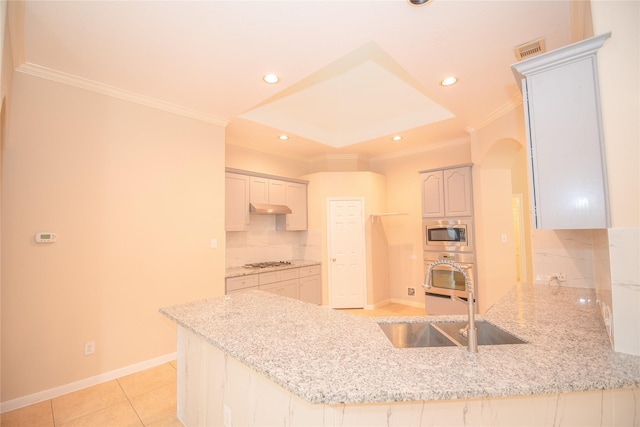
x=501 y=175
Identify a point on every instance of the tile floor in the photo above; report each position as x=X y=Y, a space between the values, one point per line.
x=391 y=309
x=145 y=398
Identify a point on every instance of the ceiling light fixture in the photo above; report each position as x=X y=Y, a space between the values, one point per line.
x=397 y=138
x=448 y=81
x=283 y=137
x=271 y=78
x=419 y=2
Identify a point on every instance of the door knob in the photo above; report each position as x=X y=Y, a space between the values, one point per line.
x=333 y=259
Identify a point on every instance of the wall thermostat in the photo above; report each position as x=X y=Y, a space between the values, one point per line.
x=45 y=237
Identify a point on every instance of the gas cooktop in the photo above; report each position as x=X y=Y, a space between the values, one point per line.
x=267 y=264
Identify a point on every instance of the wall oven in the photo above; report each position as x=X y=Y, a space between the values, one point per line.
x=448 y=235
x=448 y=293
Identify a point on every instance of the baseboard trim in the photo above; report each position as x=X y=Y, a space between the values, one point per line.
x=378 y=304
x=20 y=402
x=409 y=303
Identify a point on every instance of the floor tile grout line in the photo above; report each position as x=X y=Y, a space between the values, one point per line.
x=129 y=400
x=95 y=411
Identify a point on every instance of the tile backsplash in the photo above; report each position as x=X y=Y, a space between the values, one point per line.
x=624 y=247
x=262 y=242
x=564 y=251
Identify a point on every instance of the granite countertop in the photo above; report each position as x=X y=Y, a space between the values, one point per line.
x=243 y=271
x=325 y=356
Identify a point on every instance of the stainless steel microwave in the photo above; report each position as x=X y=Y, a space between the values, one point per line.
x=447 y=235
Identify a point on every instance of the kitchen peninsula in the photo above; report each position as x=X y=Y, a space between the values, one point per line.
x=260 y=359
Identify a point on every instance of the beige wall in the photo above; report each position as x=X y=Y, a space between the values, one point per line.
x=520 y=185
x=371 y=187
x=238 y=157
x=134 y=195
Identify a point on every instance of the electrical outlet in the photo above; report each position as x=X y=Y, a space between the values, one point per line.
x=562 y=277
x=89 y=348
x=411 y=291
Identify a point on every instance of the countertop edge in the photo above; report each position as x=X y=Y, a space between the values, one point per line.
x=314 y=393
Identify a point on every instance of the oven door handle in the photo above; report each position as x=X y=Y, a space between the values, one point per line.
x=462 y=265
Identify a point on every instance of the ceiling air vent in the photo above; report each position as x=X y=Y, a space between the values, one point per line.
x=532 y=48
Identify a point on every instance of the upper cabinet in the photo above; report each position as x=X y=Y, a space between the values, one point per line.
x=447 y=192
x=565 y=143
x=266 y=190
x=296 y=200
x=236 y=202
x=432 y=194
x=244 y=188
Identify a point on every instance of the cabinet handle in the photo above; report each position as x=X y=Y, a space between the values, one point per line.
x=333 y=259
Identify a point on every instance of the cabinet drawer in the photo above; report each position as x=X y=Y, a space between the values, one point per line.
x=241 y=282
x=312 y=270
x=278 y=276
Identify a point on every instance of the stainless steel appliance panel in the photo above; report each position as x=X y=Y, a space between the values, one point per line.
x=447 y=235
x=448 y=293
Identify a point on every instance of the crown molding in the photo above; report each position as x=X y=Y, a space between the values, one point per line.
x=340 y=157
x=431 y=147
x=136 y=98
x=515 y=102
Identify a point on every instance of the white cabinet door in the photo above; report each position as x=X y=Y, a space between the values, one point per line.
x=311 y=284
x=268 y=191
x=432 y=195
x=296 y=200
x=288 y=288
x=277 y=192
x=236 y=202
x=259 y=192
x=458 y=200
x=447 y=193
x=562 y=112
x=310 y=290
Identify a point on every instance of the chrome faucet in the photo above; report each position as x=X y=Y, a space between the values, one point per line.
x=470 y=330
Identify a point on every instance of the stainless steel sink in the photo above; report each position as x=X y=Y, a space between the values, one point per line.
x=488 y=334
x=444 y=334
x=404 y=335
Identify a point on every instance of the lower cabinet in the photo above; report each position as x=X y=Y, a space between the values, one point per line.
x=310 y=285
x=280 y=282
x=241 y=283
x=302 y=283
x=288 y=288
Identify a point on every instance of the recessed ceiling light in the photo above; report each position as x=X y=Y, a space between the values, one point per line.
x=283 y=137
x=448 y=81
x=397 y=138
x=271 y=78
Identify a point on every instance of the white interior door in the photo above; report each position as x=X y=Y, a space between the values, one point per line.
x=346 y=251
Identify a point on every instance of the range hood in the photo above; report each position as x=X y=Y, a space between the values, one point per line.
x=266 y=209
